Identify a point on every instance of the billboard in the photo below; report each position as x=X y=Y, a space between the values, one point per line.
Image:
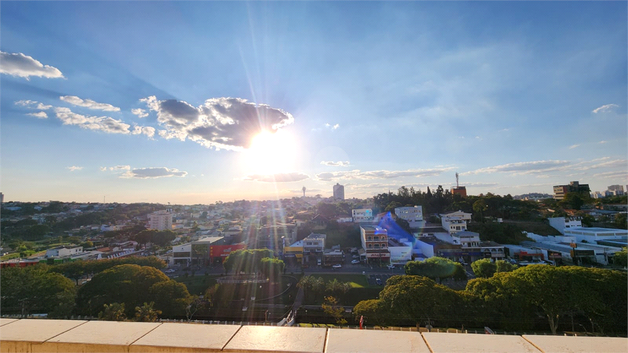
x=222 y=251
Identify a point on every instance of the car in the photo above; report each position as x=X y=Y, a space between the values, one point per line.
x=318 y=262
x=378 y=281
x=391 y=266
x=355 y=262
x=336 y=266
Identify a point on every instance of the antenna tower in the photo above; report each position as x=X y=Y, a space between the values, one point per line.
x=457 y=185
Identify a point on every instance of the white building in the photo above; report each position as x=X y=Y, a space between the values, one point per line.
x=62 y=251
x=314 y=243
x=414 y=215
x=362 y=215
x=562 y=223
x=592 y=234
x=160 y=220
x=466 y=239
x=400 y=251
x=455 y=221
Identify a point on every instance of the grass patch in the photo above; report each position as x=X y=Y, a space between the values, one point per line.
x=12 y=256
x=356 y=281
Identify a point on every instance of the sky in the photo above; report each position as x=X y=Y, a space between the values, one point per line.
x=198 y=102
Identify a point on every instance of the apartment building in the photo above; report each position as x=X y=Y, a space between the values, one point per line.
x=160 y=220
x=375 y=242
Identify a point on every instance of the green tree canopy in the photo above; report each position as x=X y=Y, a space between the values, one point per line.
x=436 y=268
x=34 y=290
x=484 y=268
x=128 y=284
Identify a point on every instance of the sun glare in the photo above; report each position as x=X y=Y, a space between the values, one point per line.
x=270 y=153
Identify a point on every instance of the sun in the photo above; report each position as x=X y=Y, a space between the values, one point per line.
x=270 y=153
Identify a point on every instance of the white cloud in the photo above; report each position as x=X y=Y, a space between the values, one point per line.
x=74 y=168
x=153 y=172
x=277 y=178
x=120 y=167
x=139 y=112
x=103 y=169
x=40 y=115
x=20 y=65
x=102 y=123
x=146 y=130
x=379 y=174
x=332 y=127
x=335 y=164
x=88 y=103
x=573 y=146
x=220 y=123
x=620 y=174
x=605 y=108
x=33 y=104
x=523 y=167
x=603 y=142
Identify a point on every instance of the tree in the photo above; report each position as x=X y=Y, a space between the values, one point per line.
x=112 y=312
x=128 y=284
x=146 y=313
x=504 y=266
x=170 y=297
x=436 y=268
x=620 y=258
x=621 y=221
x=479 y=207
x=272 y=268
x=334 y=309
x=484 y=268
x=34 y=289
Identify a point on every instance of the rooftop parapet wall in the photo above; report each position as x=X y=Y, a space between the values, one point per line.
x=39 y=335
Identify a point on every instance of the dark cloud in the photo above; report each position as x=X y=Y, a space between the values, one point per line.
x=221 y=123
x=153 y=172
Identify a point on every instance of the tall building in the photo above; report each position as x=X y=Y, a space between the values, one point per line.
x=375 y=243
x=339 y=192
x=574 y=186
x=1 y=198
x=160 y=220
x=616 y=190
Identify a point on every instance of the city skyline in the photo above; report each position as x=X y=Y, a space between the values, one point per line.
x=202 y=102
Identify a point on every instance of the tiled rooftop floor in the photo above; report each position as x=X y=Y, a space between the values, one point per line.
x=38 y=335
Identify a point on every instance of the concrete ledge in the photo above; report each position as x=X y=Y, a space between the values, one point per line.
x=41 y=335
x=358 y=341
x=579 y=344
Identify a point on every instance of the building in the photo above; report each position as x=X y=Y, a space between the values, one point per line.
x=615 y=190
x=294 y=251
x=314 y=243
x=339 y=192
x=62 y=251
x=562 y=223
x=375 y=243
x=459 y=190
x=593 y=234
x=401 y=251
x=160 y=220
x=561 y=190
x=361 y=215
x=455 y=221
x=414 y=215
x=198 y=252
x=1 y=198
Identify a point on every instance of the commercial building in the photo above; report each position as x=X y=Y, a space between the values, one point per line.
x=459 y=190
x=362 y=215
x=199 y=251
x=455 y=221
x=339 y=192
x=314 y=243
x=374 y=243
x=414 y=216
x=561 y=190
x=62 y=251
x=562 y=223
x=593 y=234
x=160 y=220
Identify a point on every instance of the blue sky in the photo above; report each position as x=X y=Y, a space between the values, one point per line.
x=162 y=102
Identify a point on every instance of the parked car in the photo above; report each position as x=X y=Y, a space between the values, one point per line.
x=355 y=262
x=378 y=281
x=337 y=266
x=391 y=266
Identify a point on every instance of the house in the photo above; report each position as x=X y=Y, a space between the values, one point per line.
x=455 y=221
